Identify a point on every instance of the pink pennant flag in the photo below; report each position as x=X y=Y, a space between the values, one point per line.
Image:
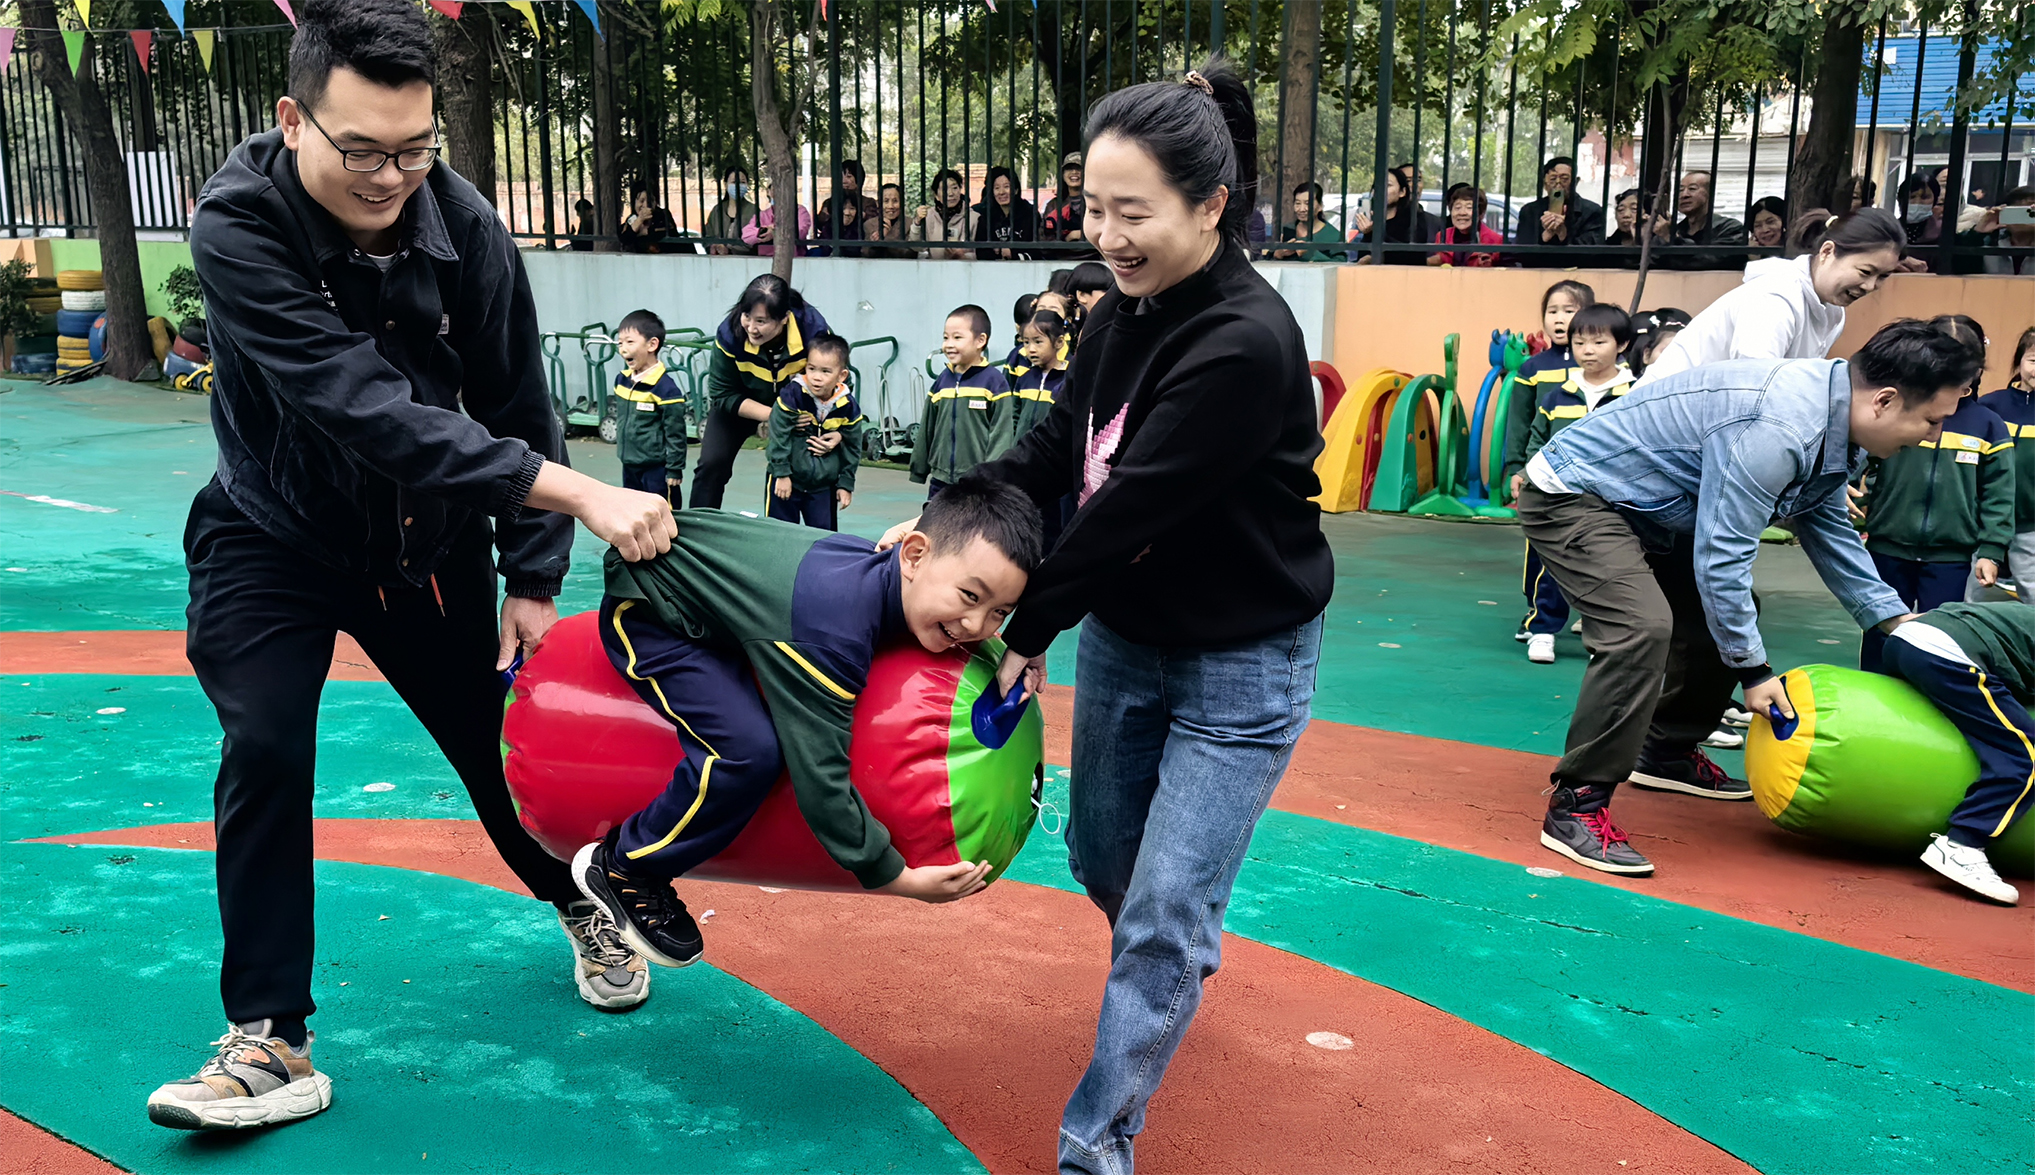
x=288 y=11
x=142 y=39
x=450 y=9
x=6 y=49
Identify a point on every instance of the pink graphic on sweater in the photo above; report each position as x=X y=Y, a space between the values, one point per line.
x=1101 y=447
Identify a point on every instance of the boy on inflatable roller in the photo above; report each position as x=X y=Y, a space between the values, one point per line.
x=1648 y=514
x=740 y=603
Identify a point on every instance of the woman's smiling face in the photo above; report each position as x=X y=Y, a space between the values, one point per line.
x=1150 y=235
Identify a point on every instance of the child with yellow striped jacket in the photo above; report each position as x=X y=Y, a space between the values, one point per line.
x=1598 y=335
x=650 y=427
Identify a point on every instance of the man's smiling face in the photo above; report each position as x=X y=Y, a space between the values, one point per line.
x=355 y=114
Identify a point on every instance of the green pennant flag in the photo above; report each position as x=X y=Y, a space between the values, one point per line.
x=74 y=47
x=204 y=39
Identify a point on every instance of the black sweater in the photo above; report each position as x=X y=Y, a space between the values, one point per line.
x=1196 y=422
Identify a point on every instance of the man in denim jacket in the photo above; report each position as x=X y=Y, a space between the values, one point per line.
x=1648 y=513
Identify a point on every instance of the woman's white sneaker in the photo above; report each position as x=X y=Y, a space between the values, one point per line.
x=1968 y=867
x=253 y=1080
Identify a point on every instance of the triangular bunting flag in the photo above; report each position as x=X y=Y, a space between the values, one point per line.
x=74 y=47
x=176 y=11
x=529 y=13
x=204 y=39
x=6 y=49
x=450 y=9
x=593 y=13
x=288 y=11
x=84 y=12
x=142 y=39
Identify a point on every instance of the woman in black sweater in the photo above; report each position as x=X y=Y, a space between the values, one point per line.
x=1188 y=437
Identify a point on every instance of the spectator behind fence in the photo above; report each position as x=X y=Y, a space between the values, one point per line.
x=583 y=225
x=1626 y=210
x=1860 y=192
x=1769 y=224
x=761 y=229
x=1465 y=207
x=850 y=230
x=1920 y=201
x=848 y=195
x=647 y=228
x=1559 y=218
x=890 y=224
x=1405 y=222
x=1066 y=215
x=1995 y=230
x=1701 y=225
x=733 y=210
x=1004 y=217
x=1309 y=226
x=1791 y=308
x=947 y=218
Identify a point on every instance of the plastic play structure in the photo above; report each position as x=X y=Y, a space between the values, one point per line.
x=1870 y=763
x=1407 y=444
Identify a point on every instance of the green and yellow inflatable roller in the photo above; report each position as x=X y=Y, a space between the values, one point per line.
x=1871 y=763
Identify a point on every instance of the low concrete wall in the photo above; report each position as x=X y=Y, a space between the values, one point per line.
x=1396 y=316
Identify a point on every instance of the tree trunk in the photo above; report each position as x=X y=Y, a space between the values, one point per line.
x=608 y=194
x=780 y=142
x=466 y=96
x=1296 y=98
x=1666 y=108
x=129 y=352
x=1823 y=162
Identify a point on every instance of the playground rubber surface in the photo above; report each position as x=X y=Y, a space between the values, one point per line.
x=1764 y=1003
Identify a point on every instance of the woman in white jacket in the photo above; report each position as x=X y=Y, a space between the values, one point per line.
x=1792 y=308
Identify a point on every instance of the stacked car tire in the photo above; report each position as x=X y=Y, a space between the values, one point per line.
x=83 y=295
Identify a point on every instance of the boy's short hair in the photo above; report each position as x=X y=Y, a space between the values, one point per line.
x=976 y=317
x=827 y=343
x=1917 y=358
x=1602 y=318
x=385 y=41
x=644 y=323
x=1022 y=312
x=1001 y=513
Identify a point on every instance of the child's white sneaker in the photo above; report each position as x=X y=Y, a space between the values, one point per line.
x=1577 y=627
x=1968 y=867
x=1725 y=738
x=1540 y=648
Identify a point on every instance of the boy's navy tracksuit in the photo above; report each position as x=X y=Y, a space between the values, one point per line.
x=737 y=605
x=650 y=430
x=967 y=422
x=814 y=477
x=1985 y=694
x=2015 y=405
x=1933 y=508
x=1560 y=403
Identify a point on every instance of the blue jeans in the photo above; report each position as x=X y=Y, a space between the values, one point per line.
x=1176 y=753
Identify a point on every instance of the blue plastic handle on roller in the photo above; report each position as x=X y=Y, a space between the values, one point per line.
x=509 y=674
x=1784 y=728
x=995 y=718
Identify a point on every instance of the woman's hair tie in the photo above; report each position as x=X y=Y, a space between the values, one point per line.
x=1831 y=221
x=1195 y=79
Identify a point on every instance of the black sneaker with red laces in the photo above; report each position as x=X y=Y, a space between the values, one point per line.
x=1590 y=838
x=1691 y=774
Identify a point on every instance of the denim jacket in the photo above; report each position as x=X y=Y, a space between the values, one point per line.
x=1721 y=452
x=364 y=418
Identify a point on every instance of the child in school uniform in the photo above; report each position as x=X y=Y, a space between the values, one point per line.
x=753 y=639
x=1035 y=388
x=1014 y=363
x=1943 y=510
x=966 y=420
x=2015 y=404
x=1598 y=334
x=650 y=429
x=815 y=445
x=1976 y=663
x=1549 y=368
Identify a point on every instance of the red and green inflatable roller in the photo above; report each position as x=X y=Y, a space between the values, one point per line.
x=1871 y=763
x=583 y=753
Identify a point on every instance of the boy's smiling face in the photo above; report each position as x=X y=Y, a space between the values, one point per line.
x=959 y=343
x=956 y=597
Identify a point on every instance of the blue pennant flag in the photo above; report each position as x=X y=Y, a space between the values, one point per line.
x=176 y=10
x=593 y=13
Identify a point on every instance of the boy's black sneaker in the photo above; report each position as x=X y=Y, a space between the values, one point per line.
x=1693 y=774
x=1590 y=839
x=649 y=915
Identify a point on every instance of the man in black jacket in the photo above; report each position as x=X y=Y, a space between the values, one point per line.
x=1575 y=222
x=359 y=296
x=1701 y=225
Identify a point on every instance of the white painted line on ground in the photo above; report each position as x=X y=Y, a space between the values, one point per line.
x=66 y=503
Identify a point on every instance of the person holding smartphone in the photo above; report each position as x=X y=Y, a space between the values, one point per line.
x=1559 y=218
x=2008 y=224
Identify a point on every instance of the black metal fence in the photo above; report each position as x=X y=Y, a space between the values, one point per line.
x=913 y=88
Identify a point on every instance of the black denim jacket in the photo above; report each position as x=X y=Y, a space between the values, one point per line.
x=363 y=417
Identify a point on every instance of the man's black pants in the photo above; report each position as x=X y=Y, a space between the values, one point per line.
x=262 y=624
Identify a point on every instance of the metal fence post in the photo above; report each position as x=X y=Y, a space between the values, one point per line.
x=1387 y=10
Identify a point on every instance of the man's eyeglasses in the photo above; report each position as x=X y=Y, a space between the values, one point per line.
x=357 y=159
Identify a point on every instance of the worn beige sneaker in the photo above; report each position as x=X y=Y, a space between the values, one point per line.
x=254 y=1080
x=608 y=973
